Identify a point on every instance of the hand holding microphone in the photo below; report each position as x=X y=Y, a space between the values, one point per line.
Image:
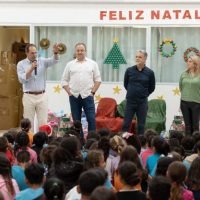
x=34 y=66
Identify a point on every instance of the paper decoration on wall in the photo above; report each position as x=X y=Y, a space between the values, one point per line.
x=167 y=48
x=190 y=51
x=44 y=43
x=115 y=56
x=116 y=90
x=57 y=89
x=62 y=48
x=98 y=97
x=160 y=97
x=176 y=91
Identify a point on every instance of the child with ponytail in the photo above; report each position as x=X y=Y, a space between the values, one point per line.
x=26 y=126
x=22 y=144
x=129 y=177
x=8 y=186
x=177 y=173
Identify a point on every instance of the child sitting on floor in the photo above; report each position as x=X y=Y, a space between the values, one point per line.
x=26 y=126
x=34 y=174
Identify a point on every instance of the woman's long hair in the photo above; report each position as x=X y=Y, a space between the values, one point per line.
x=196 y=61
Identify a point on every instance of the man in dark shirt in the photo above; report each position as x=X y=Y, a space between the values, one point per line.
x=139 y=81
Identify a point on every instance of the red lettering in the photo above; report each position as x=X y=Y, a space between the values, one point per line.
x=121 y=17
x=187 y=15
x=197 y=14
x=130 y=14
x=155 y=14
x=139 y=14
x=112 y=15
x=167 y=15
x=177 y=12
x=102 y=14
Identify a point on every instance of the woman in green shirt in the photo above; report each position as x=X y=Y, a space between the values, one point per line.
x=190 y=94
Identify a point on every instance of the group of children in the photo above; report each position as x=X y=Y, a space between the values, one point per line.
x=106 y=166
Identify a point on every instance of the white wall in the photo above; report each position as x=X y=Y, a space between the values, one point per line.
x=59 y=101
x=77 y=12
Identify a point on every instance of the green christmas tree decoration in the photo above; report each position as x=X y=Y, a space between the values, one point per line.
x=115 y=56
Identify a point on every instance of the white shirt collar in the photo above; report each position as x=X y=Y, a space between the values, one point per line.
x=76 y=60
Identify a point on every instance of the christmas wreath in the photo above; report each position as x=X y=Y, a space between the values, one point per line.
x=188 y=51
x=167 y=42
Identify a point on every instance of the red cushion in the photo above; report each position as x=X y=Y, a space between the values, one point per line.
x=113 y=124
x=106 y=107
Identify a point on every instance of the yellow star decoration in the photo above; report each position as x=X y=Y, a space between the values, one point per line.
x=117 y=90
x=98 y=97
x=57 y=89
x=116 y=40
x=160 y=97
x=176 y=91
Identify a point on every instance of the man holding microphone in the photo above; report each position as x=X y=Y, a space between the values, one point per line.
x=32 y=74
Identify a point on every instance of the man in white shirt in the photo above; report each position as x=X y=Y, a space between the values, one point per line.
x=32 y=74
x=81 y=79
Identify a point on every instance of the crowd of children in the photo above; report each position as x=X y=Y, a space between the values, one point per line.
x=104 y=166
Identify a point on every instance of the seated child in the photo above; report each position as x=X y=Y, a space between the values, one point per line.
x=34 y=177
x=23 y=159
x=54 y=188
x=4 y=148
x=39 y=140
x=26 y=126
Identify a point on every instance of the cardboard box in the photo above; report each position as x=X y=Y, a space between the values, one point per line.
x=8 y=57
x=9 y=83
x=20 y=107
x=9 y=112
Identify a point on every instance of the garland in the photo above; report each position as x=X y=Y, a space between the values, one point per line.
x=191 y=49
x=167 y=42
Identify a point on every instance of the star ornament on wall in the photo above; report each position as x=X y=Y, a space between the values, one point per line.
x=160 y=97
x=176 y=91
x=57 y=89
x=116 y=90
x=98 y=97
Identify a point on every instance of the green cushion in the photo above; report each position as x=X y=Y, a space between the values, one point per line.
x=121 y=109
x=156 y=115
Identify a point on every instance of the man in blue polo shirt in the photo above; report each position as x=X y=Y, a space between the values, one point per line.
x=139 y=81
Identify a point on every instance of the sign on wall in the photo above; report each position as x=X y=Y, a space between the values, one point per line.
x=111 y=13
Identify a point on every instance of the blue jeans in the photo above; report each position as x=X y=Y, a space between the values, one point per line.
x=88 y=106
x=140 y=109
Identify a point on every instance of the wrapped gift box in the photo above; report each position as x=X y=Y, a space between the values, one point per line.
x=65 y=124
x=177 y=125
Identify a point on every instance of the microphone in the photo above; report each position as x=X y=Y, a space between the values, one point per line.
x=35 y=70
x=35 y=67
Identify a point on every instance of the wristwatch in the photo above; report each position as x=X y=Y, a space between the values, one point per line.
x=93 y=93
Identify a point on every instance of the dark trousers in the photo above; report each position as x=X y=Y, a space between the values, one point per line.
x=140 y=109
x=191 y=116
x=88 y=106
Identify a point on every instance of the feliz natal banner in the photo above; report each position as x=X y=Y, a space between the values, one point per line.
x=148 y=14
